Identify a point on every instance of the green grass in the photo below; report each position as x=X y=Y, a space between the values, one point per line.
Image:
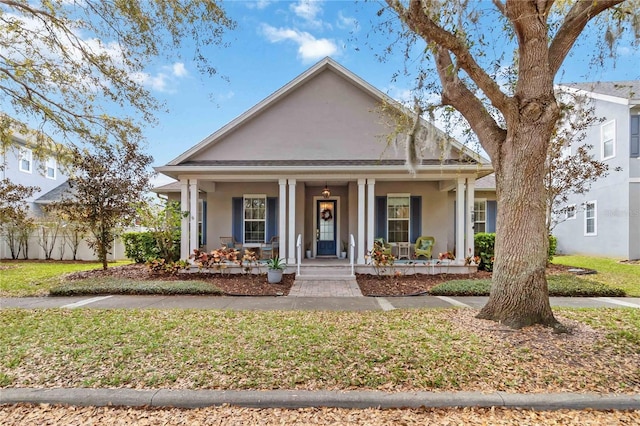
x=396 y=350
x=610 y=272
x=109 y=285
x=559 y=285
x=29 y=278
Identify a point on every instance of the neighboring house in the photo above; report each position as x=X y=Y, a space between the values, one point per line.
x=265 y=173
x=606 y=220
x=21 y=167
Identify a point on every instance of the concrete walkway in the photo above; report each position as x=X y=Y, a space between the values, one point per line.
x=293 y=399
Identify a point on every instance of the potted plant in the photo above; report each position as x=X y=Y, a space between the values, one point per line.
x=275 y=267
x=345 y=247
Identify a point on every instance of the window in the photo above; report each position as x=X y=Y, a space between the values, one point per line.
x=25 y=160
x=255 y=214
x=398 y=213
x=51 y=168
x=570 y=212
x=590 y=219
x=479 y=216
x=608 y=139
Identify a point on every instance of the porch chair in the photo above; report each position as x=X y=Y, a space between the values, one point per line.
x=230 y=242
x=424 y=246
x=269 y=250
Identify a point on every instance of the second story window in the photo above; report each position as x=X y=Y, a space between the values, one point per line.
x=608 y=139
x=51 y=169
x=26 y=160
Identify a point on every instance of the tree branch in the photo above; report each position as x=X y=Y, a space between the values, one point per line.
x=458 y=95
x=417 y=19
x=575 y=21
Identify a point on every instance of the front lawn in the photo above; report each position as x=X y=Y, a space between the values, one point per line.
x=611 y=272
x=35 y=278
x=400 y=350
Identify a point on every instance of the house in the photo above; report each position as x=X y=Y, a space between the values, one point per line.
x=21 y=166
x=317 y=162
x=606 y=220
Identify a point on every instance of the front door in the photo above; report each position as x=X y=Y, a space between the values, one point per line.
x=326 y=227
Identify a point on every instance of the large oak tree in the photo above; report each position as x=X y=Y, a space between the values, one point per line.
x=513 y=111
x=74 y=71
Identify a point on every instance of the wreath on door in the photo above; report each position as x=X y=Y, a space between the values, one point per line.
x=326 y=215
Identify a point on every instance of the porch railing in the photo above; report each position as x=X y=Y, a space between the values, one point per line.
x=298 y=253
x=352 y=247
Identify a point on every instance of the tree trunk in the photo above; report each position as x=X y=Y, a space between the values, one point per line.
x=519 y=295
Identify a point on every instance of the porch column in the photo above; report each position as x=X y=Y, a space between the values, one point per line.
x=471 y=184
x=460 y=220
x=184 y=222
x=361 y=228
x=282 y=218
x=291 y=251
x=193 y=215
x=371 y=197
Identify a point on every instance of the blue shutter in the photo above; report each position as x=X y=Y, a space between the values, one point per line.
x=236 y=219
x=492 y=212
x=415 y=218
x=272 y=217
x=204 y=222
x=381 y=217
x=635 y=136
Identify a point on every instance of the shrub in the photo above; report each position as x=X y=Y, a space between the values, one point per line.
x=140 y=246
x=484 y=248
x=144 y=247
x=110 y=285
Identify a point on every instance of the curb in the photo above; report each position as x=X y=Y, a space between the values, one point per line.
x=301 y=399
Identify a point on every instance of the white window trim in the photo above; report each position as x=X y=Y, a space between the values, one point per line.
x=53 y=164
x=566 y=212
x=479 y=200
x=595 y=219
x=244 y=220
x=21 y=154
x=613 y=123
x=408 y=219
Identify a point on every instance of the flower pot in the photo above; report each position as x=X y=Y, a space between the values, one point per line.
x=274 y=276
x=308 y=253
x=343 y=255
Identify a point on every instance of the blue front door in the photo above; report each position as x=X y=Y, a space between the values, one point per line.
x=326 y=228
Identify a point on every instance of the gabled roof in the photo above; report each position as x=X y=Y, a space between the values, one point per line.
x=321 y=66
x=55 y=194
x=628 y=91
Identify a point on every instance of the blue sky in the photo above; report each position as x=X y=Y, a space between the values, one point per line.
x=277 y=40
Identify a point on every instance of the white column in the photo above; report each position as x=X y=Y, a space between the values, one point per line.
x=460 y=220
x=193 y=215
x=361 y=228
x=282 y=218
x=471 y=183
x=291 y=251
x=184 y=223
x=371 y=197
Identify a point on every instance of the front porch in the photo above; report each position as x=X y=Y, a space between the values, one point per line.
x=299 y=216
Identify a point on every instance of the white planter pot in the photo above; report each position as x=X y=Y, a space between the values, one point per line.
x=308 y=253
x=343 y=254
x=274 y=276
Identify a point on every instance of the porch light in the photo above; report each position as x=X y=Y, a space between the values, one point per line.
x=325 y=192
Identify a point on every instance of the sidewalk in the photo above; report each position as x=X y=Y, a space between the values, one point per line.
x=293 y=399
x=290 y=303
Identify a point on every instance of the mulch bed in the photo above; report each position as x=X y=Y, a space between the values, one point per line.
x=257 y=285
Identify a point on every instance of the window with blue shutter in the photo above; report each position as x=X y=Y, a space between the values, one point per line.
x=381 y=217
x=236 y=218
x=635 y=136
x=492 y=213
x=272 y=217
x=416 y=218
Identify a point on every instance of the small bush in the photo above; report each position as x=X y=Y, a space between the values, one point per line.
x=553 y=244
x=559 y=286
x=140 y=246
x=484 y=248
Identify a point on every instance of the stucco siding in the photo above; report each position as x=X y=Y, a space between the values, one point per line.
x=634 y=220
x=325 y=118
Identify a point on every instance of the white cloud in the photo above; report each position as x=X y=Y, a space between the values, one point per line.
x=260 y=4
x=179 y=70
x=309 y=48
x=347 y=23
x=308 y=10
